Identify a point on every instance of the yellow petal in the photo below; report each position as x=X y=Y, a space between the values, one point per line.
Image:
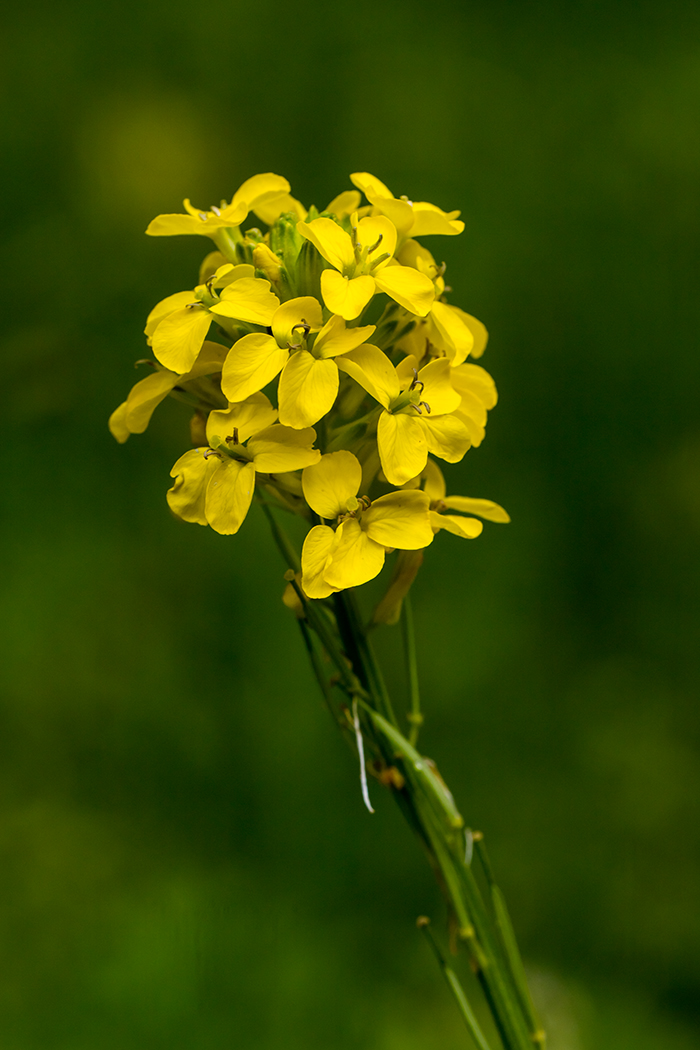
x=371 y=186
x=117 y=424
x=178 y=338
x=454 y=335
x=307 y=390
x=314 y=558
x=467 y=528
x=477 y=380
x=400 y=519
x=428 y=220
x=355 y=557
x=475 y=430
x=331 y=241
x=257 y=188
x=251 y=364
x=478 y=330
x=399 y=212
x=166 y=306
x=345 y=296
x=192 y=473
x=210 y=360
x=417 y=255
x=145 y=397
x=335 y=338
x=409 y=288
x=295 y=312
x=403 y=448
x=229 y=495
x=334 y=480
x=433 y=482
x=344 y=204
x=248 y=299
x=172 y=225
x=371 y=368
x=270 y=208
x=378 y=233
x=227 y=274
x=446 y=436
x=278 y=449
x=485 y=508
x=438 y=390
x=247 y=417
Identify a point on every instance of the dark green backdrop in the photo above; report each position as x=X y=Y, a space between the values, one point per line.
x=185 y=859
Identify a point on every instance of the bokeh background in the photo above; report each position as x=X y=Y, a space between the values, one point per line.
x=185 y=859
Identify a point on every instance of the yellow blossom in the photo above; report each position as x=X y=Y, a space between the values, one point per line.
x=411 y=219
x=363 y=264
x=433 y=484
x=178 y=325
x=215 y=485
x=302 y=348
x=354 y=552
x=418 y=415
x=257 y=194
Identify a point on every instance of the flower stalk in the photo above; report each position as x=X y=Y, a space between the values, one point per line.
x=327 y=371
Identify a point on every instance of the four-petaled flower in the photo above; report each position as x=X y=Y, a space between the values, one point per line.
x=354 y=552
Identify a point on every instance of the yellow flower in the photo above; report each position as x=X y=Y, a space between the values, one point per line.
x=353 y=553
x=433 y=484
x=411 y=219
x=134 y=414
x=302 y=348
x=214 y=486
x=452 y=331
x=178 y=325
x=418 y=415
x=363 y=264
x=257 y=194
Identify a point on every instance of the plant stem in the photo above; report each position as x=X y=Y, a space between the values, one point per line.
x=409 y=647
x=428 y=806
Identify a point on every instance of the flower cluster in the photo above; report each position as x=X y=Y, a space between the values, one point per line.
x=324 y=366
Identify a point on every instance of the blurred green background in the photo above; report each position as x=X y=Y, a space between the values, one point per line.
x=185 y=861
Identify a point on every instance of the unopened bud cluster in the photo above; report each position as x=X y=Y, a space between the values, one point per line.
x=324 y=366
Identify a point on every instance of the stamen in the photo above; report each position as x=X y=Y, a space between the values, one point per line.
x=427 y=406
x=417 y=382
x=215 y=210
x=376 y=244
x=212 y=452
x=233 y=437
x=203 y=216
x=196 y=303
x=304 y=326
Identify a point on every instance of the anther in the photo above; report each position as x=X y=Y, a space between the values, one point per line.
x=233 y=437
x=215 y=210
x=417 y=382
x=203 y=216
x=376 y=244
x=303 y=325
x=212 y=452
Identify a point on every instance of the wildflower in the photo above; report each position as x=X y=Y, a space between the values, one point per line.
x=215 y=485
x=302 y=348
x=256 y=194
x=433 y=484
x=411 y=219
x=354 y=552
x=363 y=264
x=177 y=327
x=418 y=414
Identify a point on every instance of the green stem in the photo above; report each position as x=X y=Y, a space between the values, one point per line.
x=409 y=647
x=455 y=987
x=427 y=805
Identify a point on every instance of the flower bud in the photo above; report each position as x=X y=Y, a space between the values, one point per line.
x=266 y=261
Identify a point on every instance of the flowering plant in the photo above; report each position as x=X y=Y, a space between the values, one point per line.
x=324 y=367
